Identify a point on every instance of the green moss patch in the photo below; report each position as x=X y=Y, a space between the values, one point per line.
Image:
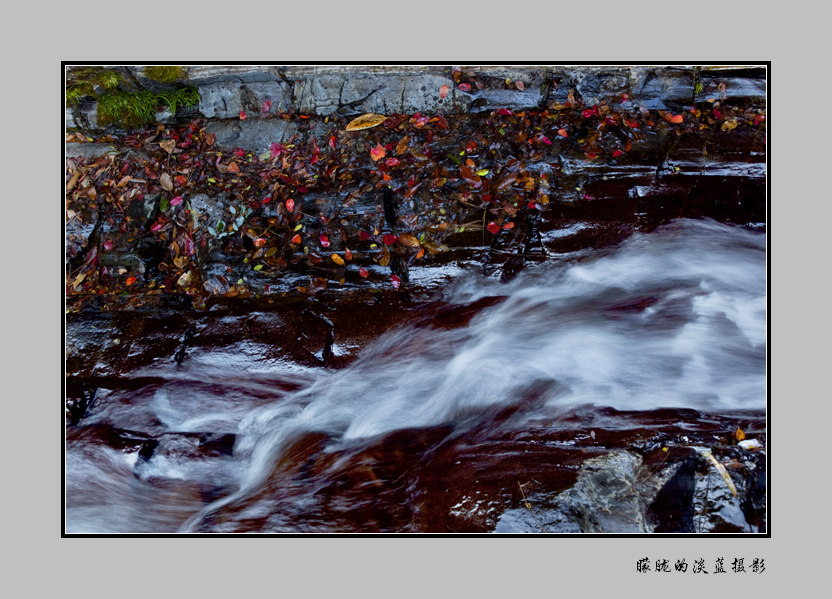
x=165 y=74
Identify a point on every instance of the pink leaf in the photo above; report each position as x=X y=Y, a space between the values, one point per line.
x=267 y=106
x=108 y=245
x=176 y=201
x=290 y=205
x=504 y=112
x=396 y=281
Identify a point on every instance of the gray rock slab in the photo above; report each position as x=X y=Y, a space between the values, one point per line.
x=88 y=150
x=251 y=134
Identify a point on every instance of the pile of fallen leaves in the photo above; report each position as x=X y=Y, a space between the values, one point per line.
x=314 y=201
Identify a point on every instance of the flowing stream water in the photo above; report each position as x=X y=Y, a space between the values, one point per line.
x=675 y=318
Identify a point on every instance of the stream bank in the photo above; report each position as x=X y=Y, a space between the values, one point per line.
x=315 y=262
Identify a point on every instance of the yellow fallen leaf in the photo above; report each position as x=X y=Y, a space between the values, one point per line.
x=739 y=435
x=337 y=259
x=723 y=472
x=729 y=125
x=366 y=121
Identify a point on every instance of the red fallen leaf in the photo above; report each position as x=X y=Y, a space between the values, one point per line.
x=296 y=239
x=624 y=98
x=392 y=162
x=390 y=239
x=396 y=281
x=325 y=241
x=347 y=254
x=259 y=242
x=587 y=113
x=130 y=280
x=617 y=153
x=587 y=197
x=363 y=272
x=243 y=116
x=493 y=227
x=562 y=132
x=277 y=149
x=717 y=113
x=508 y=226
x=471 y=147
x=420 y=121
x=464 y=87
x=443 y=91
x=240 y=152
x=532 y=206
x=267 y=106
x=363 y=235
x=332 y=142
x=108 y=245
x=519 y=85
x=180 y=180
x=290 y=205
x=266 y=200
x=233 y=168
x=377 y=153
x=591 y=155
x=504 y=112
x=176 y=201
x=759 y=119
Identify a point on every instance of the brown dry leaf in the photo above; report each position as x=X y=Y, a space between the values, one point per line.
x=166 y=182
x=181 y=261
x=79 y=279
x=365 y=121
x=168 y=145
x=72 y=182
x=401 y=147
x=385 y=256
x=408 y=240
x=723 y=472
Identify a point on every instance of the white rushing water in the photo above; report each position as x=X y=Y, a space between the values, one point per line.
x=673 y=318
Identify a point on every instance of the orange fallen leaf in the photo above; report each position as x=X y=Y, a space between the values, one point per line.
x=130 y=280
x=233 y=168
x=443 y=91
x=377 y=153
